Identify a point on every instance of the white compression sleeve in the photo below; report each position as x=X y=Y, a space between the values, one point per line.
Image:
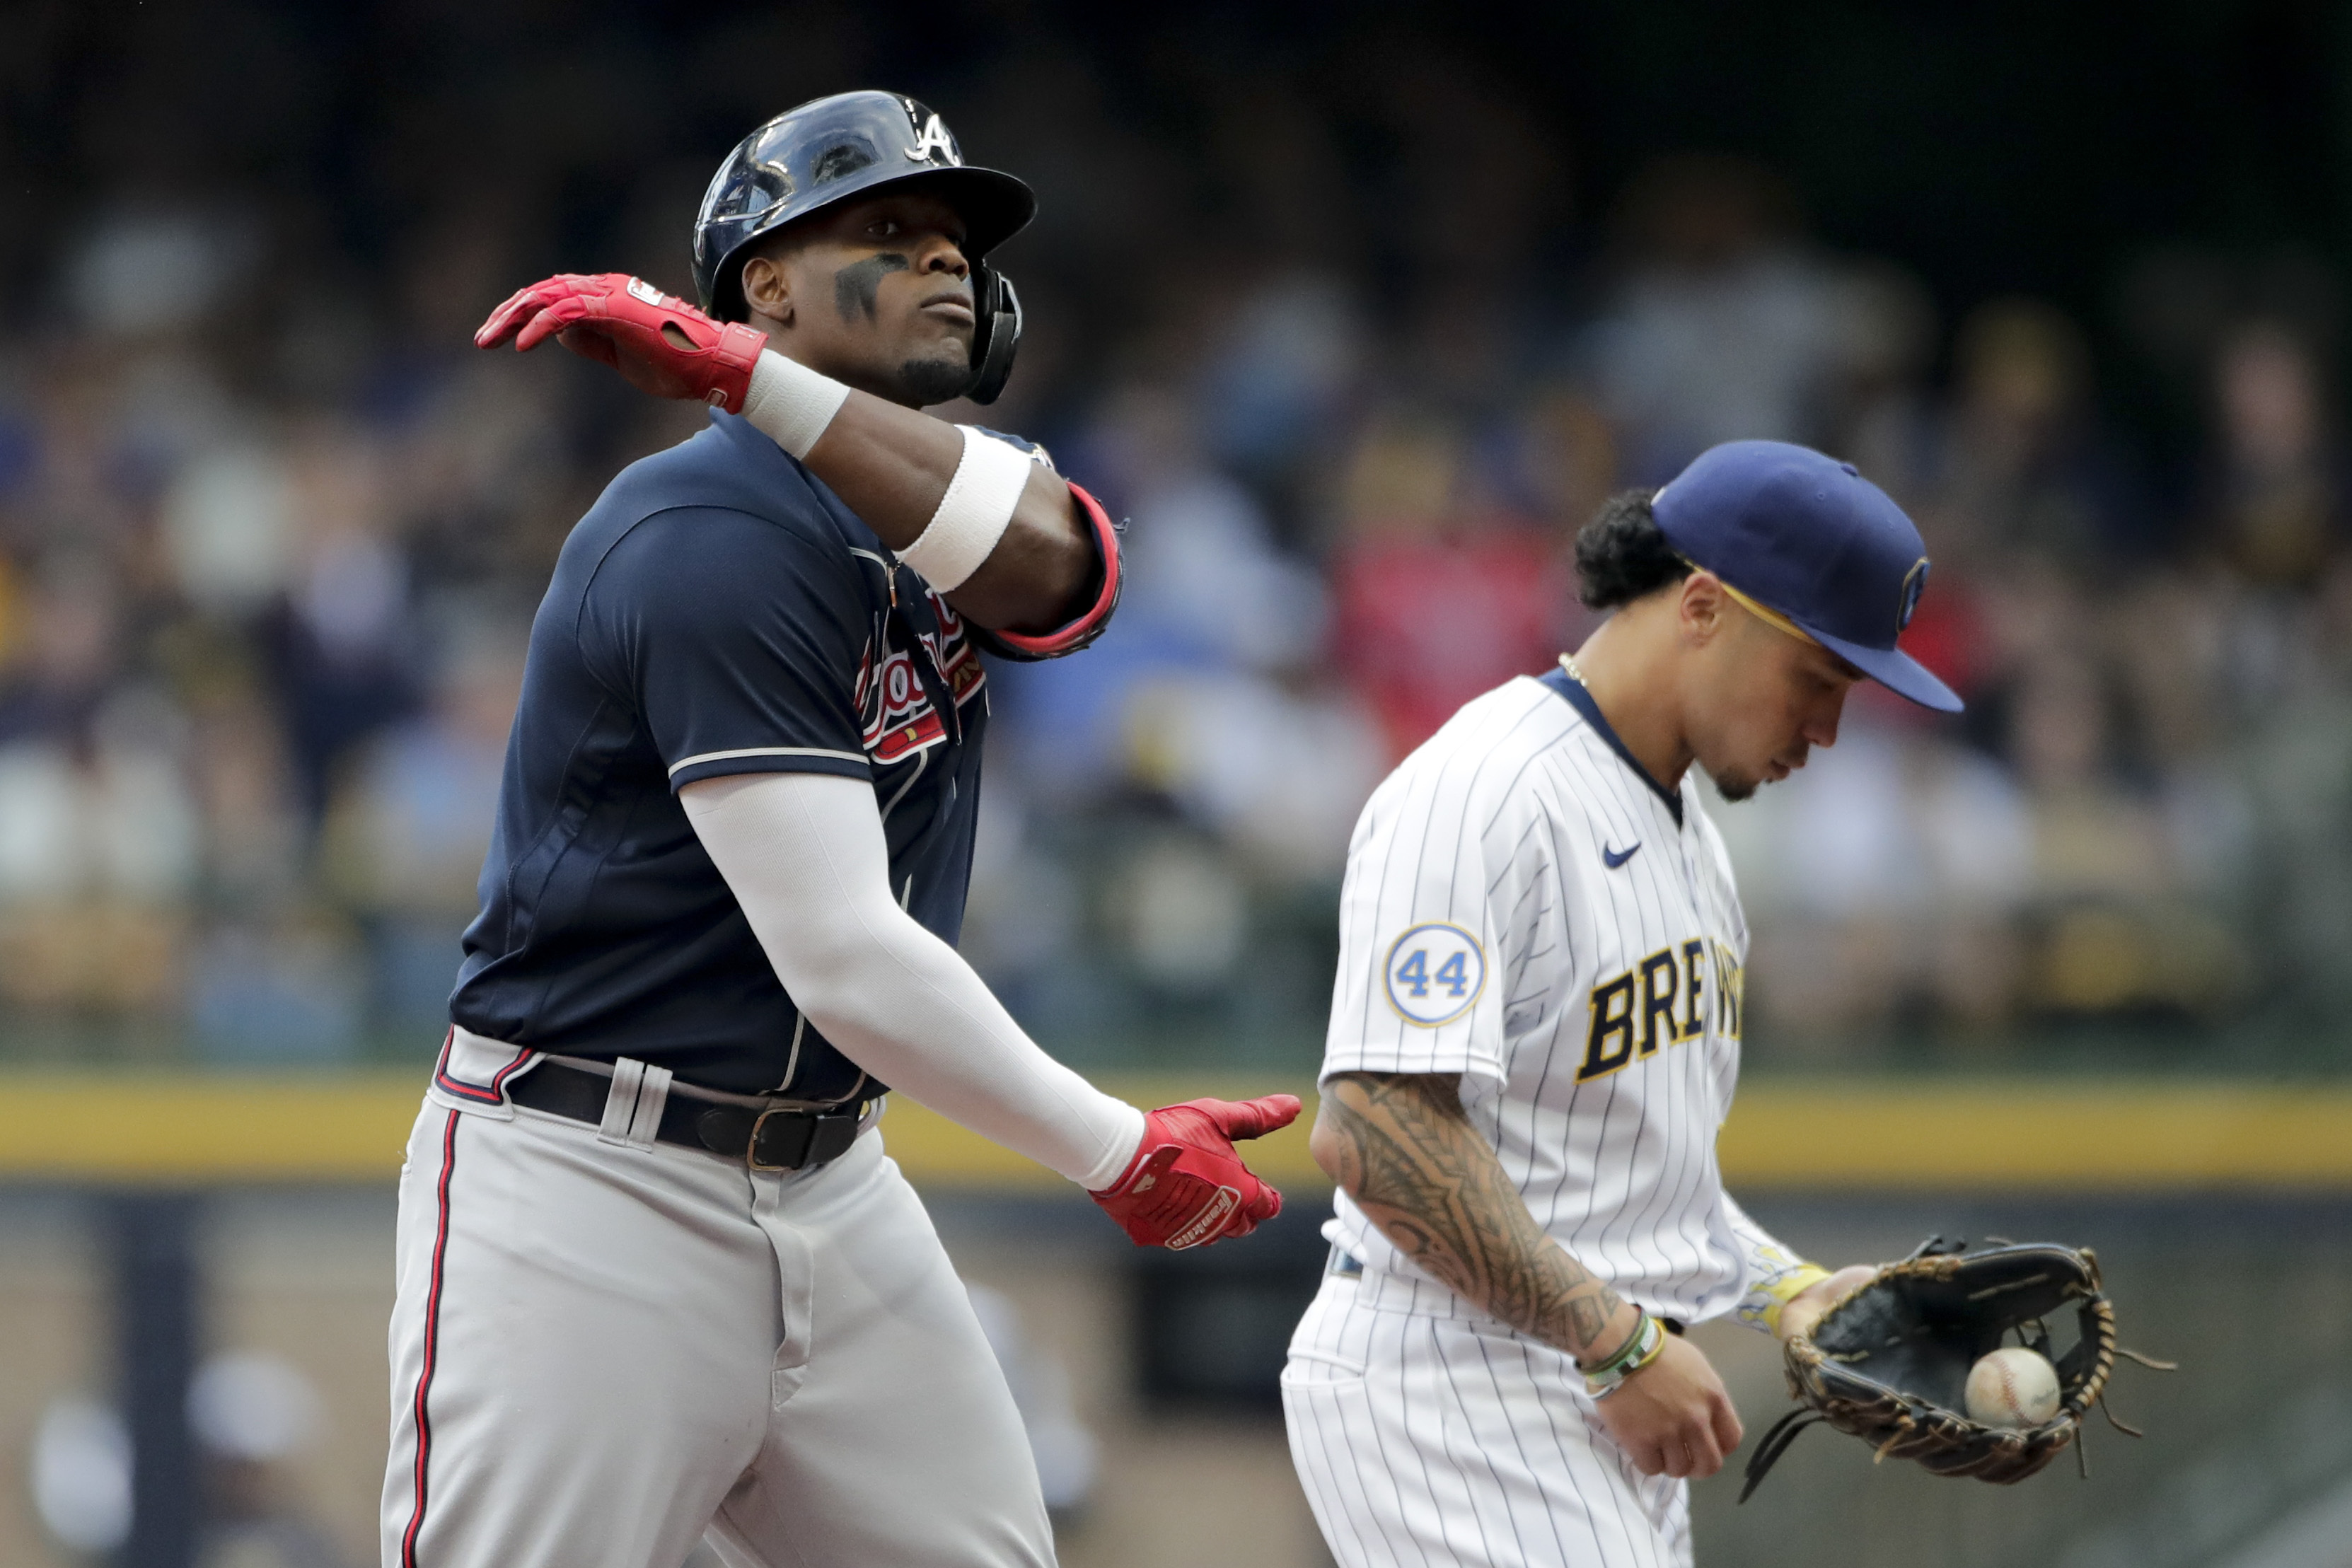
x=804 y=854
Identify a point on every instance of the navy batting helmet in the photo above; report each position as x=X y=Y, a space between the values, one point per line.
x=831 y=150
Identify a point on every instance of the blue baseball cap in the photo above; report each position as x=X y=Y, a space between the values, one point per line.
x=1811 y=544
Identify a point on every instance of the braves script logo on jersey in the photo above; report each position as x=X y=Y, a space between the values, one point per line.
x=1663 y=1000
x=952 y=653
x=896 y=710
x=1435 y=973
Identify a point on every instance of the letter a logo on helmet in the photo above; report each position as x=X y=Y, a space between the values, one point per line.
x=931 y=137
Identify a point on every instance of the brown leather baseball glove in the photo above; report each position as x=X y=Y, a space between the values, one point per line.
x=1889 y=1362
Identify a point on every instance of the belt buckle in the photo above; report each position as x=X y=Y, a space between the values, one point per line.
x=808 y=1124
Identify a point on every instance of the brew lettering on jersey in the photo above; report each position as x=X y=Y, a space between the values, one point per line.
x=1663 y=1000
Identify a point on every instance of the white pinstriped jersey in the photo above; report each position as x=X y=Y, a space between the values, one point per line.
x=1523 y=906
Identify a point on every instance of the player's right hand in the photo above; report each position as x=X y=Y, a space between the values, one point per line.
x=1673 y=1416
x=1186 y=1187
x=660 y=343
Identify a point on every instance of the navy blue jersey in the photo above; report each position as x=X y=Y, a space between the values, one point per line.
x=718 y=611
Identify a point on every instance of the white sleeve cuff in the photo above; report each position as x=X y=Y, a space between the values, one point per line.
x=789 y=403
x=1127 y=1141
x=973 y=514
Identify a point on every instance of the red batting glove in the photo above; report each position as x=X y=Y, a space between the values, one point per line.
x=662 y=345
x=1186 y=1187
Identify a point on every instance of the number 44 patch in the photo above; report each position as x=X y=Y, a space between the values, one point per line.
x=1434 y=974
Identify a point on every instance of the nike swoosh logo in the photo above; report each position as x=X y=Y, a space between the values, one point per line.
x=1615 y=858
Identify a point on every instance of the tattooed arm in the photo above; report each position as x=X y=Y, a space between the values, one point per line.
x=1402 y=1147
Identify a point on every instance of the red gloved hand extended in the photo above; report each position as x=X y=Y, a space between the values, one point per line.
x=1186 y=1187
x=662 y=345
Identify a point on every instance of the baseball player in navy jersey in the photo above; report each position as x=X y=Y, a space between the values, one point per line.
x=1535 y=1035
x=656 y=1276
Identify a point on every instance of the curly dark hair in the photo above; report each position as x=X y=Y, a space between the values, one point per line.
x=1622 y=555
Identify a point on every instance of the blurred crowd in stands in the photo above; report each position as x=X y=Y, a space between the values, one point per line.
x=271 y=531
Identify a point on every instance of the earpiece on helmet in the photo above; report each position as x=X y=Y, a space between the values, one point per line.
x=996 y=333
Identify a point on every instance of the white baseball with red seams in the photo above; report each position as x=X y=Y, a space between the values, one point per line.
x=2012 y=1386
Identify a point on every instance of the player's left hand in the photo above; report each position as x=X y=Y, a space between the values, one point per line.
x=1186 y=1186
x=1806 y=1307
x=1672 y=1417
x=659 y=344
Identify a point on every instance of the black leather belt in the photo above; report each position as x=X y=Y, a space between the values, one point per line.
x=778 y=1138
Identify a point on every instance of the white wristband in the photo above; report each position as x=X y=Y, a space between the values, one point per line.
x=974 y=513
x=789 y=403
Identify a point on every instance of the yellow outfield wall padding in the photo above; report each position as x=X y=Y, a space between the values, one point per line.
x=1984 y=1136
x=203 y=1127
x=2116 y=1135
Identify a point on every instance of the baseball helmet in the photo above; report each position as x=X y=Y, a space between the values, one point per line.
x=832 y=150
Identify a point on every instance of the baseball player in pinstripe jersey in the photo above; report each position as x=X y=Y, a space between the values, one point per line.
x=1535 y=1035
